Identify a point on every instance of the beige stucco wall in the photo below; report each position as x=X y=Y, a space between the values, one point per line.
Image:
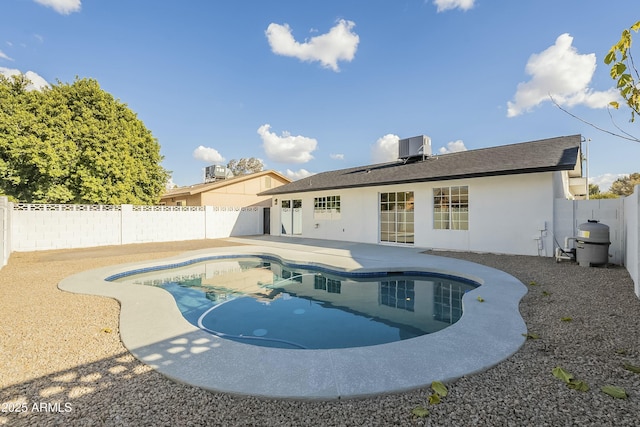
x=241 y=193
x=193 y=200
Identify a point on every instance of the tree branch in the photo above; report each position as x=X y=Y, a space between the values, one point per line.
x=628 y=136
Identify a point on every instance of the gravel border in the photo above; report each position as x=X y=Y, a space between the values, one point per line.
x=60 y=356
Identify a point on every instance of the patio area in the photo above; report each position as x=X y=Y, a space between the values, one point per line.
x=64 y=348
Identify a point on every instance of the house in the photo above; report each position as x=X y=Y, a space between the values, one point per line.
x=239 y=191
x=498 y=199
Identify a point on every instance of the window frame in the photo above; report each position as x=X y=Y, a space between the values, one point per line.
x=327 y=207
x=451 y=208
x=396 y=217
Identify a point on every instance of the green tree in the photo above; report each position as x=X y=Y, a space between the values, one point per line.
x=594 y=189
x=625 y=185
x=75 y=143
x=605 y=195
x=245 y=166
x=623 y=70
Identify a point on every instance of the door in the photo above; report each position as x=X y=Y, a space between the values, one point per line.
x=266 y=221
x=286 y=217
x=297 y=217
x=291 y=216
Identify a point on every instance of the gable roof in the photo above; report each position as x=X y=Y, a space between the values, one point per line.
x=208 y=186
x=553 y=154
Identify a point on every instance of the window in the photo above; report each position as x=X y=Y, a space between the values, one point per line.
x=292 y=275
x=398 y=294
x=447 y=302
x=320 y=283
x=396 y=217
x=326 y=204
x=326 y=207
x=334 y=286
x=451 y=208
x=330 y=285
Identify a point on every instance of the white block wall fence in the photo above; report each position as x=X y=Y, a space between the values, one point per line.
x=33 y=227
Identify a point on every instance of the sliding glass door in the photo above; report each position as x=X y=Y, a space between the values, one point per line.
x=396 y=217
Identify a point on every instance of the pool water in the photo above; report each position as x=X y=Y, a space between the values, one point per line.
x=265 y=302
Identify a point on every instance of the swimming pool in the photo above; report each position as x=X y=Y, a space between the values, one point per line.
x=264 y=301
x=154 y=330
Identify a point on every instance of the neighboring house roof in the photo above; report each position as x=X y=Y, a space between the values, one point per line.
x=553 y=154
x=201 y=188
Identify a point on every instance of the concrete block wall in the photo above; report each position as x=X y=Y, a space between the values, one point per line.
x=39 y=227
x=224 y=222
x=142 y=224
x=33 y=227
x=5 y=230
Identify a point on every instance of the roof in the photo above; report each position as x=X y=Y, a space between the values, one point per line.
x=208 y=186
x=553 y=154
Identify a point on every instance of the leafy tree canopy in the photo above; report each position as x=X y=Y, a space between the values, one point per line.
x=624 y=186
x=245 y=166
x=594 y=193
x=75 y=143
x=621 y=187
x=624 y=72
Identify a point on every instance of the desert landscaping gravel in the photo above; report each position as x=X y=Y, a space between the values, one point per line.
x=62 y=363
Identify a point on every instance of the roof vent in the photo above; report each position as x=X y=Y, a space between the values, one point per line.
x=416 y=146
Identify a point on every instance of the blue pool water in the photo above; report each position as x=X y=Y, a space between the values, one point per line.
x=262 y=301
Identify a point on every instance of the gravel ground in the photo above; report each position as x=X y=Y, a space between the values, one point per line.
x=62 y=363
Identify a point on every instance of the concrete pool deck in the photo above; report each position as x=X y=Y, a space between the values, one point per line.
x=153 y=329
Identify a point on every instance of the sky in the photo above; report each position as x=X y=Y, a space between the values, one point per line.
x=309 y=86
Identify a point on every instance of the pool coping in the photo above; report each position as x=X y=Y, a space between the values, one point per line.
x=154 y=331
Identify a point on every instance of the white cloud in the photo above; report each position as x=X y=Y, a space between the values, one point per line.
x=37 y=82
x=207 y=154
x=5 y=56
x=63 y=7
x=604 y=181
x=301 y=173
x=337 y=156
x=453 y=147
x=385 y=149
x=559 y=71
x=169 y=185
x=286 y=148
x=453 y=4
x=339 y=44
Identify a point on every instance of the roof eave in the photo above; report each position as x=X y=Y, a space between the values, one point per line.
x=275 y=191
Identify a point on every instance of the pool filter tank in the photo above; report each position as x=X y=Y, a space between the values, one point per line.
x=592 y=244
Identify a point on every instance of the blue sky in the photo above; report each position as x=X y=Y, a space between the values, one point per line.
x=315 y=86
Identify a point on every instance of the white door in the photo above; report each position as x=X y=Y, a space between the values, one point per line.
x=286 y=216
x=297 y=216
x=291 y=216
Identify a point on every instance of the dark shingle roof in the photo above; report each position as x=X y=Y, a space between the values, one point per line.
x=553 y=154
